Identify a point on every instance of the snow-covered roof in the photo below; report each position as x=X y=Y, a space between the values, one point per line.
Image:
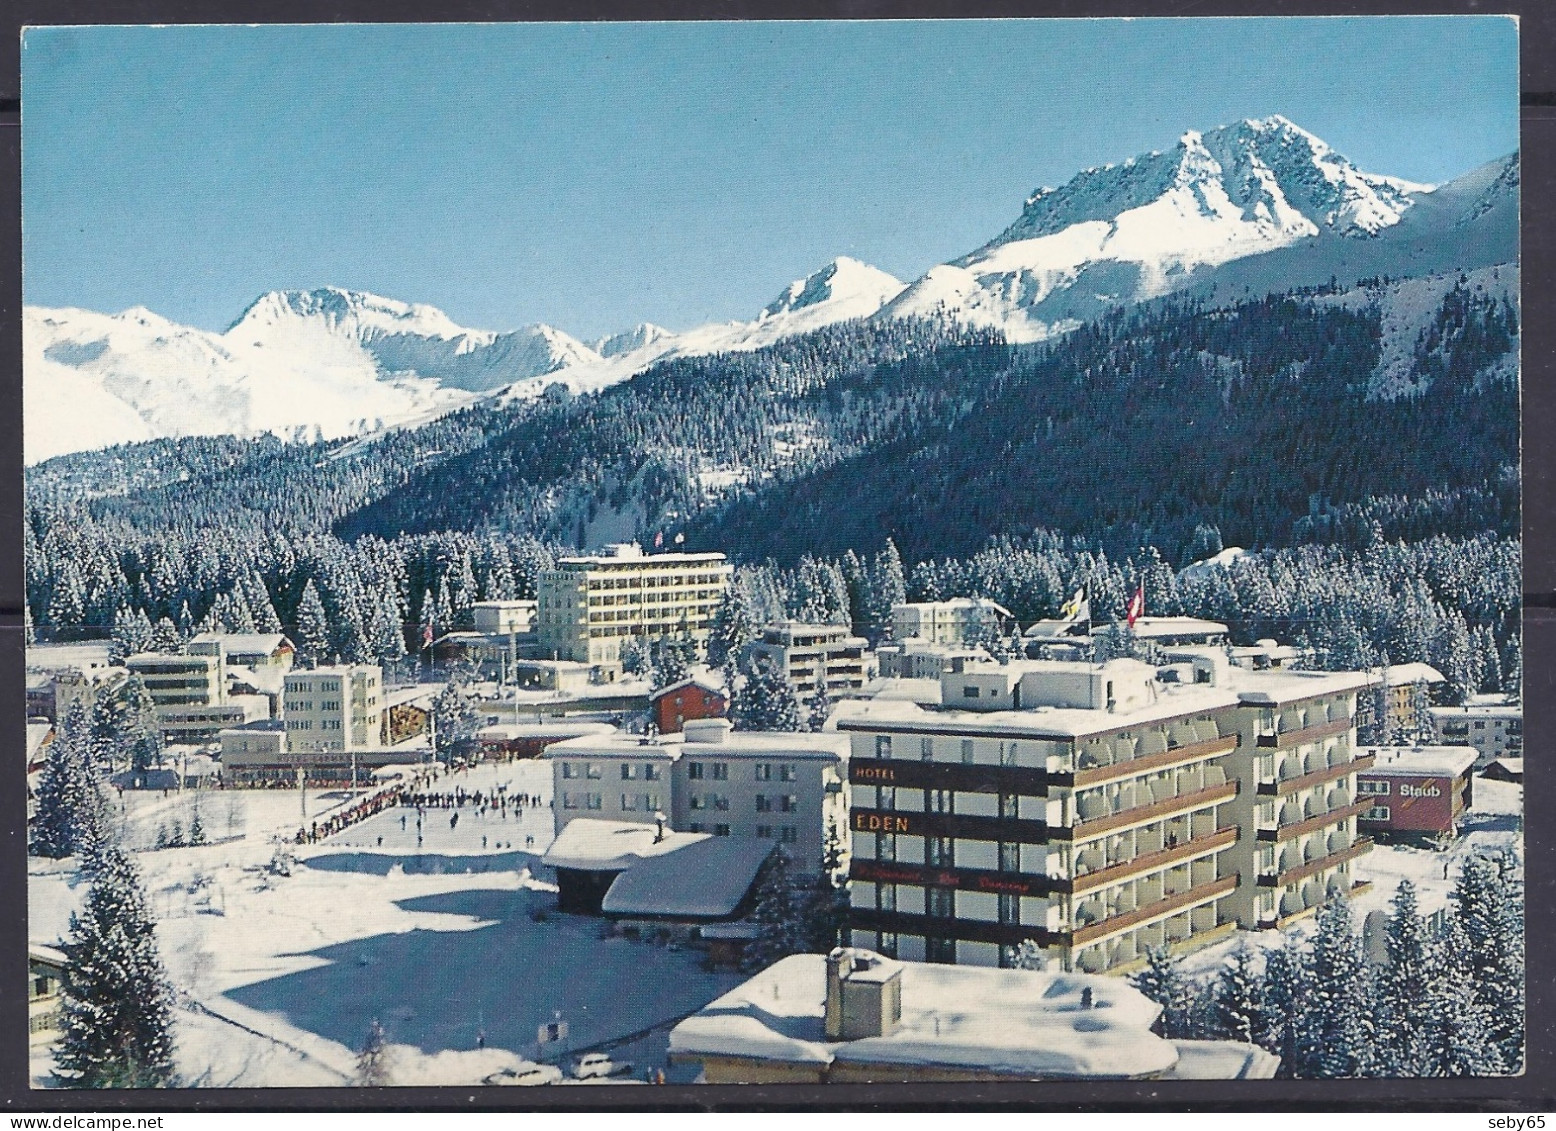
x=890 y=689
x=1410 y=761
x=558 y=728
x=1273 y=688
x=712 y=681
x=1479 y=711
x=1222 y=1060
x=734 y=744
x=1172 y=701
x=702 y=879
x=58 y=657
x=36 y=733
x=1151 y=627
x=1398 y=674
x=420 y=695
x=590 y=845
x=1054 y=629
x=244 y=643
x=38 y=952
x=1020 y=1023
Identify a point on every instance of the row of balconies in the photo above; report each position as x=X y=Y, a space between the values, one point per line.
x=1147 y=808
x=1321 y=817
x=1319 y=854
x=1126 y=747
x=1318 y=768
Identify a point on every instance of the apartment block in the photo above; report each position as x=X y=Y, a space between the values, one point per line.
x=334 y=708
x=957 y=621
x=783 y=787
x=588 y=607
x=809 y=653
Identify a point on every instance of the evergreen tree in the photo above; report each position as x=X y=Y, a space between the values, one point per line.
x=1405 y=987
x=313 y=630
x=71 y=818
x=1456 y=1035
x=732 y=628
x=1239 y=994
x=767 y=700
x=456 y=720
x=373 y=1061
x=1487 y=951
x=1162 y=981
x=1337 y=1000
x=117 y=1013
x=165 y=637
x=779 y=915
x=1284 y=1027
x=820 y=703
x=196 y=828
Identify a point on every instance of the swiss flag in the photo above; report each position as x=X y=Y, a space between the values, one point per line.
x=1136 y=608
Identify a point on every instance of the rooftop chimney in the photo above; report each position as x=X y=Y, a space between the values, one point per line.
x=864 y=995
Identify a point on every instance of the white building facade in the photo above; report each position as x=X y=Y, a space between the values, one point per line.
x=334 y=708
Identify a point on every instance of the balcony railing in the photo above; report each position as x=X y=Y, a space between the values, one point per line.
x=1317 y=777
x=1131 y=767
x=1094 y=827
x=1313 y=824
x=1164 y=858
x=1159 y=909
x=1288 y=738
x=1296 y=875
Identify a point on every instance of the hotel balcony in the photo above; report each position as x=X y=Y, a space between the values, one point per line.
x=1316 y=775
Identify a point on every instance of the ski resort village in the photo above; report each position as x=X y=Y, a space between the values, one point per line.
x=1093 y=655
x=621 y=832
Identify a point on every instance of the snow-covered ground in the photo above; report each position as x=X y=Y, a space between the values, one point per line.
x=446 y=938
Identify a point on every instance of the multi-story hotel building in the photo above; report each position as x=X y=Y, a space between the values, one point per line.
x=1098 y=811
x=1496 y=730
x=808 y=653
x=335 y=708
x=772 y=786
x=589 y=606
x=956 y=621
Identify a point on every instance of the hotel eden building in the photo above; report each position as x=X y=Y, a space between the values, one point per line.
x=1098 y=811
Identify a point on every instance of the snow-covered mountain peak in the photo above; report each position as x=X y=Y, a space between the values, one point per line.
x=843 y=279
x=357 y=313
x=643 y=334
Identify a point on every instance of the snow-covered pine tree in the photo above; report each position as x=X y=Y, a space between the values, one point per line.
x=165 y=637
x=1162 y=980
x=779 y=915
x=456 y=719
x=1284 y=1027
x=1488 y=950
x=1337 y=1001
x=820 y=703
x=71 y=819
x=196 y=827
x=117 y=1016
x=767 y=700
x=1239 y=994
x=1404 y=988
x=373 y=1061
x=313 y=629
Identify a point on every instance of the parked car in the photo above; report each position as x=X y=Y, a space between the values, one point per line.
x=525 y=1075
x=596 y=1065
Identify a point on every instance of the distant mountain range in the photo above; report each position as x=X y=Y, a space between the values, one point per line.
x=1257 y=207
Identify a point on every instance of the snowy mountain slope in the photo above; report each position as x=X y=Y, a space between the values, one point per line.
x=843 y=289
x=97 y=379
x=1152 y=225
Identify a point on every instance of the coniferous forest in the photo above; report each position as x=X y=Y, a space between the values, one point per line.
x=1378 y=528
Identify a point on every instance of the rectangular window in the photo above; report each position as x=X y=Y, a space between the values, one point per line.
x=883 y=746
x=886 y=897
x=886 y=846
x=628 y=802
x=1010 y=909
x=764 y=772
x=789 y=834
x=764 y=803
x=721 y=771
x=764 y=832
x=720 y=802
x=926 y=749
x=593 y=801
x=967 y=752
x=886 y=797
x=628 y=771
x=694 y=827
x=939 y=903
x=569 y=801
x=1010 y=858
x=939 y=801
x=595 y=770
x=1009 y=805
x=697 y=801
x=789 y=804
x=1376 y=813
x=938 y=852
x=652 y=773
x=694 y=771
x=653 y=802
x=787 y=772
x=1380 y=788
x=720 y=830
x=969 y=692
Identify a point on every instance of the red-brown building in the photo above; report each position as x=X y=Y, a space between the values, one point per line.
x=1415 y=792
x=697 y=697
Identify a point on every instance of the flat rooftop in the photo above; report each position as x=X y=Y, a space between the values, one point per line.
x=1409 y=761
x=1021 y=1023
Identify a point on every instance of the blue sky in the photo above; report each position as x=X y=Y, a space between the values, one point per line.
x=595 y=176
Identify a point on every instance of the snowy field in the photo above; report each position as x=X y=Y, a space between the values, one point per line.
x=448 y=940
